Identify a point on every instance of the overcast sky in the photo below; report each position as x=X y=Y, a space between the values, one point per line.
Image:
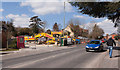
x=50 y=12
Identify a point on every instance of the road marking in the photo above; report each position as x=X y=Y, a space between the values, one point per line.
x=1 y=55
x=51 y=50
x=31 y=62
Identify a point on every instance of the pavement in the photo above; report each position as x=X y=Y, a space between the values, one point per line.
x=72 y=57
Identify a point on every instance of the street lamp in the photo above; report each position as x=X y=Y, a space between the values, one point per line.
x=64 y=23
x=64 y=15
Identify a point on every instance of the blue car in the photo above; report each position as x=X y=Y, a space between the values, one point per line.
x=94 y=45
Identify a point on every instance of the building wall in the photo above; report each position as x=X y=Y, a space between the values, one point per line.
x=72 y=34
x=4 y=39
x=69 y=29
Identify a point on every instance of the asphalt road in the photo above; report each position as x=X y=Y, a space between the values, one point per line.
x=75 y=57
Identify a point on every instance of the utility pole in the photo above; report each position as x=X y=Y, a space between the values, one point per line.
x=64 y=15
x=64 y=23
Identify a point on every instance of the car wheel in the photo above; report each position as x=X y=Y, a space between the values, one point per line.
x=102 y=49
x=87 y=50
x=99 y=49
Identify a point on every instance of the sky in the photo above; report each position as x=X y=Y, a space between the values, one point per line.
x=50 y=12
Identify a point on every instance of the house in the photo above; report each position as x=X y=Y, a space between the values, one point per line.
x=82 y=31
x=68 y=28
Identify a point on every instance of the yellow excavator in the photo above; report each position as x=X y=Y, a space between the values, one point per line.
x=29 y=38
x=39 y=35
x=51 y=38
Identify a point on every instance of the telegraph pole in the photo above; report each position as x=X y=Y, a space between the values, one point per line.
x=64 y=23
x=64 y=15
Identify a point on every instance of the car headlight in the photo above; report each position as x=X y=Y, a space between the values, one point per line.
x=87 y=47
x=97 y=47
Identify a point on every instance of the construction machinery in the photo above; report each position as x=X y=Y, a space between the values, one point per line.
x=50 y=38
x=29 y=38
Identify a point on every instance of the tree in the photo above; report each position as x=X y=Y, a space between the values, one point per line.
x=24 y=31
x=90 y=26
x=75 y=27
x=55 y=27
x=10 y=28
x=84 y=32
x=48 y=31
x=75 y=22
x=111 y=10
x=96 y=32
x=4 y=34
x=37 y=25
x=4 y=26
x=60 y=26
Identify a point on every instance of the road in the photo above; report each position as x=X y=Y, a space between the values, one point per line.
x=75 y=57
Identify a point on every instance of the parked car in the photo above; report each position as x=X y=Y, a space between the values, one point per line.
x=94 y=45
x=103 y=40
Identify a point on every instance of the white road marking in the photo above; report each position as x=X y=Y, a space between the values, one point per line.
x=1 y=55
x=31 y=62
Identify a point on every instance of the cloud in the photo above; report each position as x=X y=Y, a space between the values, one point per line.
x=85 y=17
x=106 y=25
x=45 y=1
x=43 y=7
x=80 y=16
x=1 y=18
x=1 y=10
x=19 y=20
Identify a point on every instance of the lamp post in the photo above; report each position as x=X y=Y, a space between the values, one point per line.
x=64 y=15
x=64 y=23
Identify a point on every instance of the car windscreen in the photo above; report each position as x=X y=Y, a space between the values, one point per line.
x=94 y=42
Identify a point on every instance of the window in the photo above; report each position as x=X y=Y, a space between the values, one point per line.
x=94 y=42
x=21 y=40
